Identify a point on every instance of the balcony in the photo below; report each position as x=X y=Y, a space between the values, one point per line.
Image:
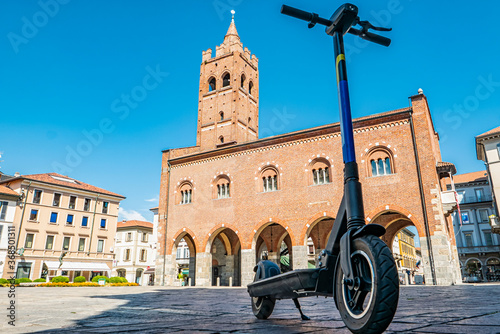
x=449 y=202
x=475 y=199
x=495 y=224
x=478 y=249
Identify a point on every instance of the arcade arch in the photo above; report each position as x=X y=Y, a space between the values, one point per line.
x=224 y=248
x=184 y=258
x=273 y=242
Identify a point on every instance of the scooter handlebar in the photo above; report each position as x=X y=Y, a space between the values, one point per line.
x=370 y=37
x=297 y=13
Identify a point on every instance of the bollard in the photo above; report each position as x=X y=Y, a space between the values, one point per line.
x=218 y=281
x=230 y=281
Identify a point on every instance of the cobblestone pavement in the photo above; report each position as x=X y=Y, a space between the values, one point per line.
x=456 y=309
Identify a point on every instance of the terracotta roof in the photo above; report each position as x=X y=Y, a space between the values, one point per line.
x=155 y=208
x=7 y=191
x=54 y=178
x=491 y=132
x=480 y=176
x=444 y=167
x=133 y=223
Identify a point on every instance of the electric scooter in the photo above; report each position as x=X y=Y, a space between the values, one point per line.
x=356 y=268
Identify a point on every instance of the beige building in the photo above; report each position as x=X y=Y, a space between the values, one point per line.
x=63 y=227
x=135 y=252
x=488 y=150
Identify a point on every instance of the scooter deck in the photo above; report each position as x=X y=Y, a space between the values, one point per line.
x=289 y=285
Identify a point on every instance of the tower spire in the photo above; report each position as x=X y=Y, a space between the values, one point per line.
x=232 y=34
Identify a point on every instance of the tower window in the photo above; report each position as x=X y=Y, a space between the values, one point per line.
x=226 y=80
x=221 y=115
x=211 y=84
x=221 y=140
x=243 y=78
x=250 y=86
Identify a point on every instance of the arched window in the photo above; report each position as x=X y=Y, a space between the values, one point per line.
x=249 y=121
x=269 y=178
x=250 y=86
x=243 y=78
x=221 y=140
x=221 y=115
x=222 y=185
x=226 y=80
x=211 y=84
x=185 y=193
x=380 y=162
x=320 y=169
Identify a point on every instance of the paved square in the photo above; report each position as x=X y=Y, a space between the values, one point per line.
x=455 y=309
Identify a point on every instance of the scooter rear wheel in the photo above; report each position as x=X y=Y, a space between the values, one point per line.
x=369 y=307
x=262 y=307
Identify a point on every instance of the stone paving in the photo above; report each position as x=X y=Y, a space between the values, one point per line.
x=422 y=309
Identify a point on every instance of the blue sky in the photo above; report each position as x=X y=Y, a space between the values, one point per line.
x=67 y=68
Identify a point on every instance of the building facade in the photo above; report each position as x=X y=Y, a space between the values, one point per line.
x=8 y=202
x=405 y=255
x=134 y=251
x=488 y=150
x=478 y=247
x=63 y=227
x=235 y=197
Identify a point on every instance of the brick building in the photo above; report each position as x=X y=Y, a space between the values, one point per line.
x=235 y=197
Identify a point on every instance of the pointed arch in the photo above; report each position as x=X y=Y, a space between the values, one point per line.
x=260 y=226
x=226 y=79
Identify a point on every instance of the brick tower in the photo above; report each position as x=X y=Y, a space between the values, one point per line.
x=228 y=104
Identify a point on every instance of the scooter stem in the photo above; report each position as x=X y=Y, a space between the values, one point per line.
x=352 y=187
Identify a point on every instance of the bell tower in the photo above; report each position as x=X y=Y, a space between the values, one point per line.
x=228 y=104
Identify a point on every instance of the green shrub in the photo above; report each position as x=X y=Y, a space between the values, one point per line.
x=23 y=280
x=95 y=279
x=40 y=280
x=80 y=279
x=60 y=279
x=117 y=279
x=4 y=281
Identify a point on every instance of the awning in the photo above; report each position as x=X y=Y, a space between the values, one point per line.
x=150 y=271
x=80 y=266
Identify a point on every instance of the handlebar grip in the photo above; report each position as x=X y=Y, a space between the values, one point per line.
x=297 y=13
x=369 y=36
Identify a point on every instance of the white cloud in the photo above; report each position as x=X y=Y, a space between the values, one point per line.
x=154 y=199
x=129 y=215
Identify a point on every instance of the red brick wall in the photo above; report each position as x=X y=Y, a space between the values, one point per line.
x=297 y=202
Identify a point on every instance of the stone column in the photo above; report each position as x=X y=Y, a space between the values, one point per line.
x=299 y=257
x=203 y=269
x=229 y=271
x=247 y=265
x=192 y=271
x=446 y=264
x=274 y=257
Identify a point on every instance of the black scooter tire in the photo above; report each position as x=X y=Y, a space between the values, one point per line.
x=262 y=307
x=379 y=291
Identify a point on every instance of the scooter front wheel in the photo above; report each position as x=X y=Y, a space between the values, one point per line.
x=368 y=305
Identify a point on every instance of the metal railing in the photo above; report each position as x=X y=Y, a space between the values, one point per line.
x=475 y=199
x=478 y=249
